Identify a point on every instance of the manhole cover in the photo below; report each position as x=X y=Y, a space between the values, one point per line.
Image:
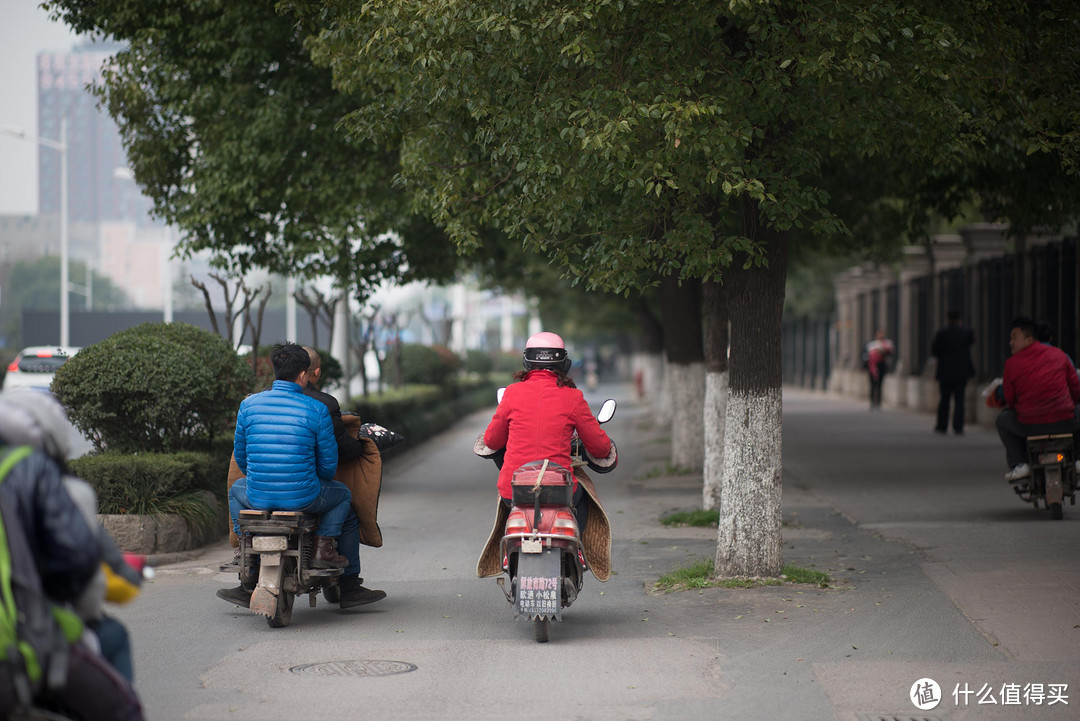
x=354 y=668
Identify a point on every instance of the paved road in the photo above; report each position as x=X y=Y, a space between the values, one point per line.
x=939 y=573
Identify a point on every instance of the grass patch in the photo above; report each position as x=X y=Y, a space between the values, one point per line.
x=700 y=518
x=700 y=575
x=192 y=506
x=794 y=574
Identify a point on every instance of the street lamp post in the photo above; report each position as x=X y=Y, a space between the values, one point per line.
x=61 y=147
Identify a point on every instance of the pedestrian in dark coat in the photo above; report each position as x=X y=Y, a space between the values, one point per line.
x=952 y=348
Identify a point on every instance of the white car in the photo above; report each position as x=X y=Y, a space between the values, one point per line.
x=34 y=366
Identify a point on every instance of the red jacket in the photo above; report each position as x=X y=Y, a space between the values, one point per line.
x=536 y=420
x=1041 y=385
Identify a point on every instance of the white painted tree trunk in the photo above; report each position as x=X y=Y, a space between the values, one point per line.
x=687 y=386
x=716 y=392
x=748 y=539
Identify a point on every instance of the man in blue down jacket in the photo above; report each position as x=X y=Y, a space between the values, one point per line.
x=285 y=447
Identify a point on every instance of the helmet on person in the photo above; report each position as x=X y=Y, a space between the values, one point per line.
x=546 y=351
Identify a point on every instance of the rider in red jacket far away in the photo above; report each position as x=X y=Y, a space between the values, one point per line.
x=1041 y=391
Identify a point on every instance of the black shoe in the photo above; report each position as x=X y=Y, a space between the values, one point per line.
x=354 y=594
x=239 y=596
x=941 y=431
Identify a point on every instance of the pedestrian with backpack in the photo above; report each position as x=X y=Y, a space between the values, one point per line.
x=49 y=555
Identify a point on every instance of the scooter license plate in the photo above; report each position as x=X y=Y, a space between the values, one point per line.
x=539 y=585
x=532 y=545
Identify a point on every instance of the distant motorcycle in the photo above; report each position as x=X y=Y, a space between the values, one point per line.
x=541 y=545
x=1053 y=473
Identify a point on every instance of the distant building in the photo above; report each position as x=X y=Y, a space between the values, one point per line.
x=99 y=188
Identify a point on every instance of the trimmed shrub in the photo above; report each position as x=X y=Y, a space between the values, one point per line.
x=478 y=361
x=420 y=412
x=507 y=363
x=428 y=364
x=157 y=387
x=152 y=482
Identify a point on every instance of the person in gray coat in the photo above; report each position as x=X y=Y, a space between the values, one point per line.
x=952 y=348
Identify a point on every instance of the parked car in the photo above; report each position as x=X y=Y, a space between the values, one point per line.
x=34 y=366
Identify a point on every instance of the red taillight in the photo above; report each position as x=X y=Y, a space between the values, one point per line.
x=14 y=367
x=44 y=354
x=517 y=523
x=564 y=524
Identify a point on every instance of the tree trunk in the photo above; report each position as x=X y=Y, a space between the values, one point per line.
x=715 y=313
x=748 y=539
x=680 y=306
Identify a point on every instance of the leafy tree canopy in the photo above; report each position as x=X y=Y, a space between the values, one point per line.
x=614 y=135
x=234 y=134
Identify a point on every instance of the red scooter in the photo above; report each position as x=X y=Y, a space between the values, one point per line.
x=541 y=544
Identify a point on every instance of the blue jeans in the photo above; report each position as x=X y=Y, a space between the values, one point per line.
x=337 y=518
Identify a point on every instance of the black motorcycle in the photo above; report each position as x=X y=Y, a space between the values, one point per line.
x=1053 y=473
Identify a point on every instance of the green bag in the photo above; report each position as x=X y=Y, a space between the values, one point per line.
x=20 y=636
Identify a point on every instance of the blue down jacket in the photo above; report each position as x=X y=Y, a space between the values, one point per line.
x=284 y=444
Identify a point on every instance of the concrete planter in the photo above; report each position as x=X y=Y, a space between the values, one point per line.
x=163 y=533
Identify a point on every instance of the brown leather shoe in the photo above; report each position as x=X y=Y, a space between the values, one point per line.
x=326 y=555
x=354 y=594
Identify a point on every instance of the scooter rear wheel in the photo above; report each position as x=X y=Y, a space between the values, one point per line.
x=542 y=629
x=1056 y=512
x=283 y=610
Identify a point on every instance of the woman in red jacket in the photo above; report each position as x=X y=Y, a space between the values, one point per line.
x=538 y=415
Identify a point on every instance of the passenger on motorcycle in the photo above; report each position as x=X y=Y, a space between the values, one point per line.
x=285 y=447
x=1041 y=393
x=353 y=593
x=538 y=415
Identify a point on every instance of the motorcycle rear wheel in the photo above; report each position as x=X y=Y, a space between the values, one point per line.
x=541 y=629
x=283 y=610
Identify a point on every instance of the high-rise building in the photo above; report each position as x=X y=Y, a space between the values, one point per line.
x=99 y=186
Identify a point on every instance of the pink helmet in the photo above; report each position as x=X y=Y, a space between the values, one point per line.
x=546 y=351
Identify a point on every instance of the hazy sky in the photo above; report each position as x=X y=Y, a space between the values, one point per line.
x=25 y=30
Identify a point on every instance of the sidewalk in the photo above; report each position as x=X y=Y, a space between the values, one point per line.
x=940 y=572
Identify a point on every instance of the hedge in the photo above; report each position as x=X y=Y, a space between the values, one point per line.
x=420 y=412
x=156 y=387
x=148 y=483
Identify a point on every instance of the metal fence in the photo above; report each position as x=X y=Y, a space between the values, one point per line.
x=1040 y=280
x=806 y=347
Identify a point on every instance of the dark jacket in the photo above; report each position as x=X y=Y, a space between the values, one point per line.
x=64 y=547
x=348 y=447
x=952 y=348
x=284 y=444
x=53 y=554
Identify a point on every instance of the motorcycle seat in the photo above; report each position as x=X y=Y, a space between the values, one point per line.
x=276 y=521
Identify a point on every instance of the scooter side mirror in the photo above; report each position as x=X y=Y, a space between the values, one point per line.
x=607 y=411
x=499 y=394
